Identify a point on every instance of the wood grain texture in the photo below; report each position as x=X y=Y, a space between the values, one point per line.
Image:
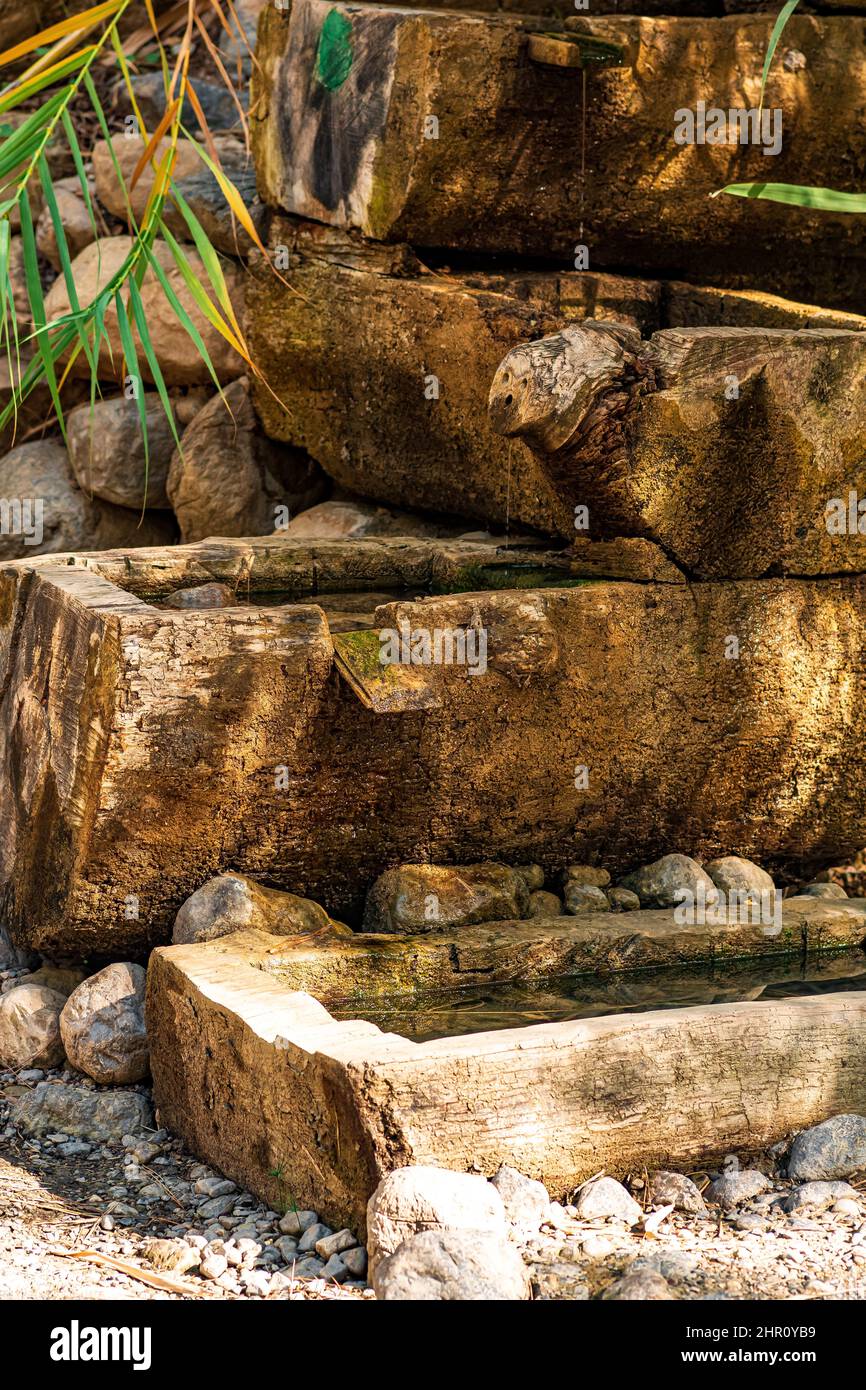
x=143 y=761
x=260 y=1083
x=503 y=174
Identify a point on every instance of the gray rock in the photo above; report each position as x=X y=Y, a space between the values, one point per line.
x=106 y=450
x=103 y=1028
x=232 y=902
x=640 y=1285
x=82 y=1112
x=605 y=1197
x=558 y=1281
x=416 y=1199
x=310 y=1268
x=675 y=1189
x=834 y=1149
x=822 y=890
x=584 y=897
x=543 y=904
x=214 y=1187
x=526 y=1201
x=236 y=50
x=733 y=874
x=287 y=1247
x=818 y=1196
x=295 y=1223
x=207 y=201
x=418 y=898
x=622 y=899
x=213 y=1266
x=229 y=479
x=30 y=1027
x=729 y=1190
x=336 y=1269
x=335 y=1244
x=202 y=596
x=38 y=476
x=311 y=1237
x=215 y=1207
x=662 y=883
x=355 y=1261
x=75 y=218
x=448 y=1265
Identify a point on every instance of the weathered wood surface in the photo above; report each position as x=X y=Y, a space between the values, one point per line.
x=260 y=1082
x=614 y=722
x=737 y=450
x=340 y=136
x=384 y=369
x=367 y=969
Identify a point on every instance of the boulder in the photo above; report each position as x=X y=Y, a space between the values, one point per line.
x=622 y=899
x=82 y=1112
x=227 y=479
x=526 y=1201
x=106 y=451
x=818 y=1196
x=676 y=1190
x=584 y=897
x=662 y=884
x=56 y=515
x=126 y=150
x=179 y=360
x=429 y=897
x=543 y=904
x=605 y=1198
x=30 y=1027
x=585 y=874
x=349 y=521
x=202 y=596
x=823 y=890
x=232 y=902
x=103 y=1028
x=735 y=875
x=834 y=1149
x=730 y=1189
x=63 y=979
x=415 y=1199
x=452 y=1266
x=77 y=225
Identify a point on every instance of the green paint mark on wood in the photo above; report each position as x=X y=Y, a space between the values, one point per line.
x=334 y=56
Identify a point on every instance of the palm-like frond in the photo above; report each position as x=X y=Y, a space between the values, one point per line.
x=39 y=106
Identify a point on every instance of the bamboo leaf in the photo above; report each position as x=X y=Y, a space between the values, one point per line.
x=37 y=304
x=778 y=29
x=823 y=199
x=107 y=10
x=29 y=88
x=131 y=358
x=201 y=297
x=233 y=198
x=183 y=317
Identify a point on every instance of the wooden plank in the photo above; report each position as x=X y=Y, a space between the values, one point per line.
x=439 y=130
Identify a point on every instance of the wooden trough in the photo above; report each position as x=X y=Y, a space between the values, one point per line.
x=260 y=1080
x=720 y=424
x=447 y=129
x=621 y=713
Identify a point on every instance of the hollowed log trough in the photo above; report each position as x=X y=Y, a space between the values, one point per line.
x=260 y=1080
x=623 y=713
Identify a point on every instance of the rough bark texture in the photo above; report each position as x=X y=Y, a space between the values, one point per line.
x=260 y=1082
x=340 y=136
x=384 y=368
x=613 y=723
x=736 y=450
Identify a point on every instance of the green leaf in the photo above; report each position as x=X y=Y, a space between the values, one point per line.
x=37 y=305
x=778 y=29
x=823 y=199
x=183 y=317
